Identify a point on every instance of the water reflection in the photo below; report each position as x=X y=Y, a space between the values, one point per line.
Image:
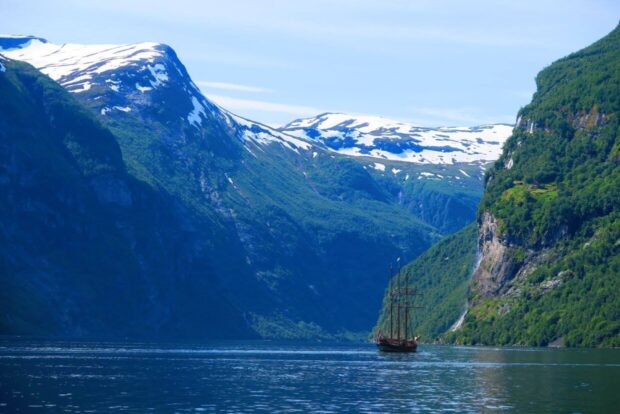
x=548 y=380
x=285 y=377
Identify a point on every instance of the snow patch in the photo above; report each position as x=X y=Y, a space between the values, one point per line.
x=194 y=116
x=263 y=134
x=61 y=61
x=378 y=166
x=143 y=88
x=158 y=71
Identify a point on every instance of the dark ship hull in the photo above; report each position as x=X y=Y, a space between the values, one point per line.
x=396 y=345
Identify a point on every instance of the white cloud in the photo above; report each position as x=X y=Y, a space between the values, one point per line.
x=233 y=87
x=236 y=104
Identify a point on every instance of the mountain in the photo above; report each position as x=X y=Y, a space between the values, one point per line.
x=85 y=248
x=377 y=137
x=291 y=237
x=146 y=78
x=548 y=265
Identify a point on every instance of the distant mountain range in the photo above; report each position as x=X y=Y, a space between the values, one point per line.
x=136 y=206
x=373 y=136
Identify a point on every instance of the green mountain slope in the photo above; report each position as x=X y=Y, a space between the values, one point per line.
x=297 y=236
x=86 y=249
x=445 y=196
x=313 y=232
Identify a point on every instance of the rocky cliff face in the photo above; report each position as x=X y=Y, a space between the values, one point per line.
x=495 y=265
x=549 y=221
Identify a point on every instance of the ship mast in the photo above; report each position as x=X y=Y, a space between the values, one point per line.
x=403 y=295
x=406 y=303
x=398 y=298
x=391 y=294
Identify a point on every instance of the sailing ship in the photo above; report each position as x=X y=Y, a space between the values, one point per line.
x=400 y=303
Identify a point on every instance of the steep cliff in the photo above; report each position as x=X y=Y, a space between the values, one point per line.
x=549 y=222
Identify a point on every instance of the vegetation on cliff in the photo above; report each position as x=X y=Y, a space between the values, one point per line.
x=556 y=195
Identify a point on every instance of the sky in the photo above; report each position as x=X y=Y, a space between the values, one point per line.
x=428 y=62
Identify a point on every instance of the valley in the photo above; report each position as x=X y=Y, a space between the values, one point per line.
x=291 y=232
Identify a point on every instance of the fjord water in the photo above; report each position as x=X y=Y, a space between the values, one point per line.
x=238 y=377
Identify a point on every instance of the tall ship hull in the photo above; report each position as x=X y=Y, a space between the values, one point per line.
x=396 y=345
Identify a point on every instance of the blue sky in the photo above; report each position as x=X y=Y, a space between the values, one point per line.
x=432 y=62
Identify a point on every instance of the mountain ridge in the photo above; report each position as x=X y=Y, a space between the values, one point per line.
x=382 y=138
x=74 y=65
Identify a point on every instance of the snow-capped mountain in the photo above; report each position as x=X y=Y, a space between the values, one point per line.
x=274 y=216
x=274 y=213
x=135 y=78
x=373 y=136
x=138 y=79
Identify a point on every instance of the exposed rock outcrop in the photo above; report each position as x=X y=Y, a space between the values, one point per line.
x=496 y=264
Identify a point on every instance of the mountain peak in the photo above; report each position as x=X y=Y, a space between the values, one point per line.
x=10 y=42
x=143 y=79
x=67 y=60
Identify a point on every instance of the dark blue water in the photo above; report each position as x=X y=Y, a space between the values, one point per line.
x=239 y=377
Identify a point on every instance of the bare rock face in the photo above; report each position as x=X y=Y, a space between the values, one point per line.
x=496 y=265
